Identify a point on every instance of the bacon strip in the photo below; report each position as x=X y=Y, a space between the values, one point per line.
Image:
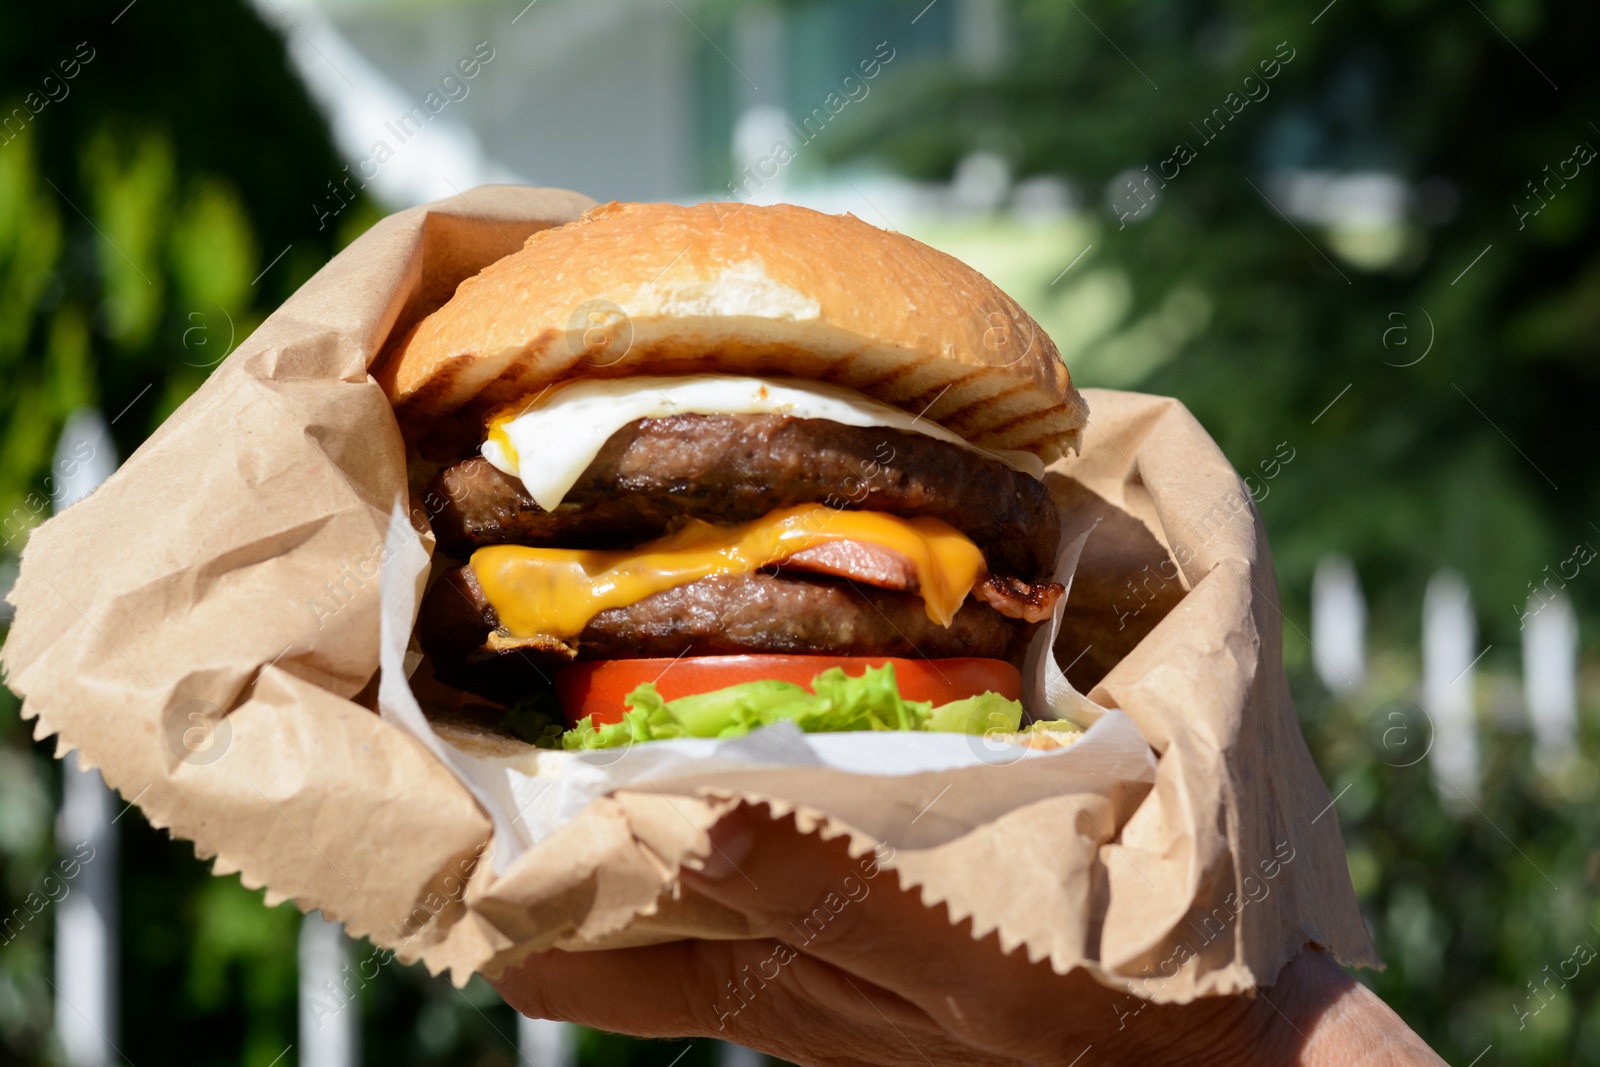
x=1018 y=599
x=858 y=561
x=888 y=569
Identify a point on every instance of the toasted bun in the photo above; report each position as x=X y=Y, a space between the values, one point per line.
x=658 y=288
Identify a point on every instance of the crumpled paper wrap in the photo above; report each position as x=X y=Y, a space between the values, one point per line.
x=205 y=629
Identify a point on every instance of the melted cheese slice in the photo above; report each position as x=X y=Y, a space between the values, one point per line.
x=556 y=591
x=549 y=440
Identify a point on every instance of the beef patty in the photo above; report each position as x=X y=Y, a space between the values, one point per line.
x=723 y=615
x=736 y=468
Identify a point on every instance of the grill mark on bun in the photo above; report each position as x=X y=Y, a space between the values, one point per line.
x=878 y=385
x=419 y=408
x=995 y=433
x=925 y=401
x=958 y=418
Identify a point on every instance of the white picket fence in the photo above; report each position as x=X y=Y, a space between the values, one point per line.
x=1450 y=656
x=86 y=920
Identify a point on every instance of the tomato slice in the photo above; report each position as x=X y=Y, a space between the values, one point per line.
x=597 y=688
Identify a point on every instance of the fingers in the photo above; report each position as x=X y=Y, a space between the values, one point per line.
x=755 y=993
x=1338 y=1020
x=851 y=913
x=638 y=991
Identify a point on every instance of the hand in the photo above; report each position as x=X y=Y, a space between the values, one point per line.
x=874 y=977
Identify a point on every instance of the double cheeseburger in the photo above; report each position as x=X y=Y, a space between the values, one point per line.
x=694 y=469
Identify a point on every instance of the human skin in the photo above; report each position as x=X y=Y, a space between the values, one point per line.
x=889 y=981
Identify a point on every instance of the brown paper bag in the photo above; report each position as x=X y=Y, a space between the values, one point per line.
x=204 y=629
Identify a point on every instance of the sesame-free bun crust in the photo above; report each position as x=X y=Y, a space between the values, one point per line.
x=771 y=291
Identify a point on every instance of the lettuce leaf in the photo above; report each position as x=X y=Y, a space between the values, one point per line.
x=836 y=703
x=735 y=710
x=536 y=719
x=982 y=714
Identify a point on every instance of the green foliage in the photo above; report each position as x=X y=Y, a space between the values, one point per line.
x=137 y=197
x=139 y=202
x=1258 y=324
x=26 y=851
x=130 y=185
x=1477 y=911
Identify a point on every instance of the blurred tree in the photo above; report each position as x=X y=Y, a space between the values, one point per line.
x=1293 y=200
x=154 y=161
x=143 y=206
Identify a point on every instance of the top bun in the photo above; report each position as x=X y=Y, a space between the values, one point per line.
x=770 y=291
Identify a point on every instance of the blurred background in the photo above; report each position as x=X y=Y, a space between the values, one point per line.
x=1357 y=238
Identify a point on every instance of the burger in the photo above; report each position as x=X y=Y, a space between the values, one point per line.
x=694 y=470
